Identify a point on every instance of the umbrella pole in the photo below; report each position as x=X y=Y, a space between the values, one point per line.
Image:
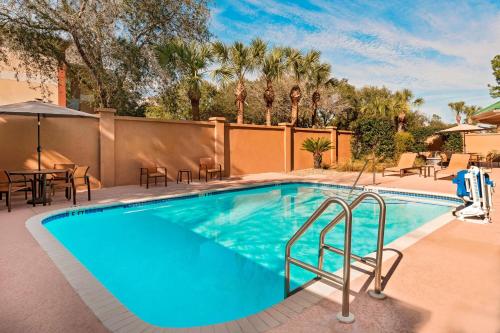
x=38 y=148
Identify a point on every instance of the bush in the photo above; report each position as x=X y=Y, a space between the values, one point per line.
x=453 y=142
x=373 y=135
x=403 y=142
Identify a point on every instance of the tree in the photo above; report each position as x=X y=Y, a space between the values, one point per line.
x=404 y=102
x=107 y=44
x=236 y=61
x=299 y=66
x=318 y=78
x=191 y=61
x=469 y=111
x=495 y=65
x=273 y=68
x=458 y=108
x=317 y=147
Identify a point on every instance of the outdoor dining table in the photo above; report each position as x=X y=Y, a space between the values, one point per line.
x=40 y=179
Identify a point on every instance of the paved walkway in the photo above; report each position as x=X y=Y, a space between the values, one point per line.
x=446 y=282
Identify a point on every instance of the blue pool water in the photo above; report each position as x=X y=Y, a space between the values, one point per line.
x=209 y=259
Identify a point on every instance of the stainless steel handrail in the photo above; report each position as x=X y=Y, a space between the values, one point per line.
x=344 y=315
x=377 y=293
x=361 y=172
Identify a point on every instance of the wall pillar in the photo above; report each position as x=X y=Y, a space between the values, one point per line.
x=107 y=146
x=333 y=139
x=219 y=140
x=288 y=146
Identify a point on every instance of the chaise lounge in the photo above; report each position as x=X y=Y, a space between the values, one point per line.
x=406 y=163
x=457 y=163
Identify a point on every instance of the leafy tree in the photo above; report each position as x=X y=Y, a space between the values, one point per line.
x=106 y=43
x=318 y=78
x=191 y=61
x=403 y=104
x=299 y=65
x=374 y=135
x=273 y=68
x=317 y=147
x=236 y=61
x=458 y=108
x=495 y=65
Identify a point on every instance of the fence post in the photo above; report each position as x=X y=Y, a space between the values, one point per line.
x=219 y=140
x=333 y=139
x=288 y=146
x=107 y=146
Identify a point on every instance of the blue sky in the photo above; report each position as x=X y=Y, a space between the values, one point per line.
x=439 y=49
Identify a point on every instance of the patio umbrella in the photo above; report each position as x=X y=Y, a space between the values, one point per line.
x=37 y=108
x=463 y=128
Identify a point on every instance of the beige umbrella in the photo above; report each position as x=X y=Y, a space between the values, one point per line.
x=463 y=128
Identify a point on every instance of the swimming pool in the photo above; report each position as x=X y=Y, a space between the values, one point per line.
x=206 y=259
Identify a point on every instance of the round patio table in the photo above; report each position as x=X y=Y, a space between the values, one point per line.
x=433 y=160
x=40 y=177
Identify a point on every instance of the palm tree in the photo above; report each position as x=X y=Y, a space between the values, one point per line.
x=458 y=108
x=236 y=61
x=469 y=111
x=318 y=77
x=299 y=66
x=191 y=60
x=402 y=105
x=317 y=147
x=273 y=68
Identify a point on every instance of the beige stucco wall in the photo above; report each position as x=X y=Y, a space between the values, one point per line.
x=482 y=143
x=344 y=146
x=172 y=144
x=303 y=159
x=255 y=149
x=63 y=140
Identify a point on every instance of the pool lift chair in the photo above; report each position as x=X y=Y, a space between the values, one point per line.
x=344 y=281
x=475 y=188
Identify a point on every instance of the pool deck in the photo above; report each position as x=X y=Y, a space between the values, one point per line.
x=448 y=281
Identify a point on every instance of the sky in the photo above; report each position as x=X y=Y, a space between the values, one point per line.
x=439 y=49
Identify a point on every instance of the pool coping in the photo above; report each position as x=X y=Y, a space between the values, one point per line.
x=117 y=318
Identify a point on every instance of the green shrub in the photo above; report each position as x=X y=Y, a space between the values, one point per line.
x=373 y=135
x=317 y=147
x=403 y=142
x=453 y=142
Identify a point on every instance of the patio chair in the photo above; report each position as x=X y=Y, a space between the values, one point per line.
x=457 y=163
x=406 y=163
x=9 y=186
x=208 y=165
x=62 y=166
x=153 y=173
x=77 y=177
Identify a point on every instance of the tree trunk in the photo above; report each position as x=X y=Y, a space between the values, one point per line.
x=241 y=94
x=194 y=95
x=458 y=118
x=401 y=121
x=269 y=99
x=318 y=159
x=315 y=102
x=295 y=96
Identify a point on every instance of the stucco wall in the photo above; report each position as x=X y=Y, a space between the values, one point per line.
x=63 y=140
x=344 y=146
x=255 y=149
x=303 y=159
x=172 y=144
x=482 y=143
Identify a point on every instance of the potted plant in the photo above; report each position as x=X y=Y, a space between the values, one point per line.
x=317 y=147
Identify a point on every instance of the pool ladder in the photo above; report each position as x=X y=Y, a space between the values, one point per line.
x=344 y=316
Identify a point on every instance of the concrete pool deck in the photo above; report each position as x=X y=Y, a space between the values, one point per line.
x=446 y=282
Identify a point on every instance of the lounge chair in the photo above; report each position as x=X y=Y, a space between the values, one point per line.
x=406 y=163
x=457 y=162
x=153 y=173
x=9 y=186
x=208 y=165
